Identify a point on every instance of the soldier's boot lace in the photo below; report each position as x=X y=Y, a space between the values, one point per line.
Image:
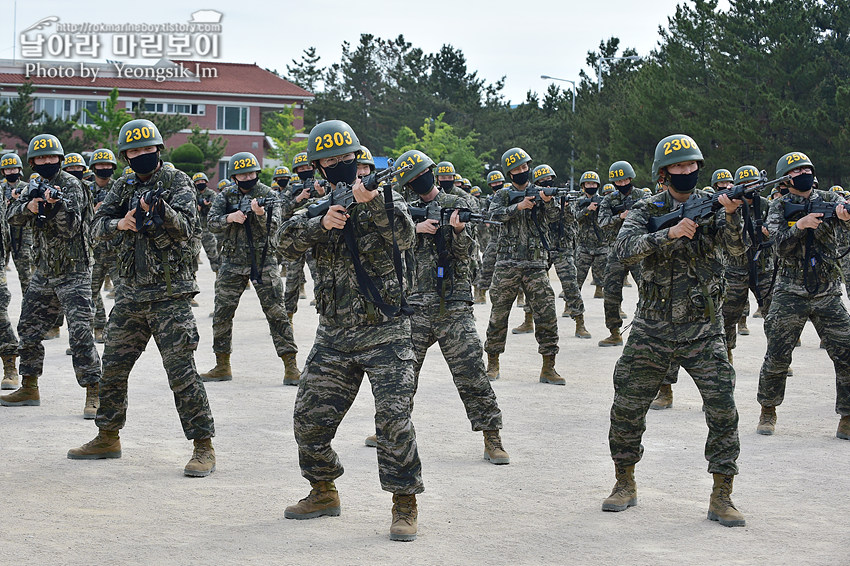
x=202 y=462
x=720 y=507
x=493 y=450
x=405 y=518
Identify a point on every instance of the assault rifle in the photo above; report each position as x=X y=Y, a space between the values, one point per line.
x=586 y=201
x=626 y=204
x=40 y=188
x=443 y=215
x=343 y=195
x=308 y=184
x=244 y=204
x=146 y=220
x=795 y=211
x=700 y=208
x=534 y=191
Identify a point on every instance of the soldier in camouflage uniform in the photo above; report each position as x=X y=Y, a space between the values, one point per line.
x=103 y=164
x=442 y=310
x=845 y=243
x=205 y=197
x=808 y=287
x=11 y=166
x=612 y=212
x=522 y=264
x=20 y=242
x=362 y=329
x=295 y=278
x=62 y=279
x=593 y=246
x=152 y=212
x=248 y=228
x=495 y=180
x=678 y=320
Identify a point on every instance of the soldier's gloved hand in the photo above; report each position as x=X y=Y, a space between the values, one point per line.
x=257 y=209
x=361 y=193
x=526 y=204
x=304 y=194
x=129 y=221
x=593 y=206
x=237 y=216
x=456 y=223
x=730 y=205
x=427 y=227
x=686 y=228
x=335 y=217
x=842 y=213
x=32 y=205
x=812 y=220
x=544 y=197
x=53 y=200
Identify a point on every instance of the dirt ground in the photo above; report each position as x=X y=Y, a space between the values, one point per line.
x=543 y=508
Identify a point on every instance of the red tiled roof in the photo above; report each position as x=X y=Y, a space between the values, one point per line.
x=233 y=78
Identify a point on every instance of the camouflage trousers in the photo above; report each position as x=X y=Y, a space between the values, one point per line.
x=508 y=280
x=488 y=263
x=210 y=243
x=587 y=260
x=8 y=340
x=172 y=325
x=477 y=265
x=295 y=278
x=455 y=331
x=640 y=371
x=24 y=266
x=330 y=382
x=565 y=267
x=783 y=325
x=45 y=299
x=845 y=272
x=737 y=301
x=615 y=276
x=230 y=283
x=103 y=266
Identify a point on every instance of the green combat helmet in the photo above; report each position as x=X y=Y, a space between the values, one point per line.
x=417 y=159
x=495 y=177
x=365 y=156
x=465 y=184
x=44 y=144
x=200 y=177
x=330 y=139
x=73 y=159
x=720 y=176
x=299 y=160
x=620 y=170
x=281 y=172
x=607 y=188
x=168 y=165
x=746 y=173
x=675 y=149
x=222 y=184
x=475 y=191
x=589 y=176
x=791 y=161
x=102 y=155
x=514 y=157
x=10 y=161
x=138 y=133
x=541 y=172
x=445 y=168
x=127 y=171
x=242 y=162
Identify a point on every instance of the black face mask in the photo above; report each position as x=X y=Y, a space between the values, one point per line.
x=47 y=170
x=304 y=175
x=247 y=185
x=520 y=178
x=145 y=164
x=625 y=189
x=77 y=174
x=591 y=191
x=783 y=191
x=546 y=183
x=201 y=186
x=803 y=182
x=282 y=183
x=447 y=185
x=422 y=184
x=104 y=173
x=496 y=187
x=13 y=177
x=342 y=173
x=684 y=183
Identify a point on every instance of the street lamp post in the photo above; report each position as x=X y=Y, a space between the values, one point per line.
x=572 y=151
x=599 y=67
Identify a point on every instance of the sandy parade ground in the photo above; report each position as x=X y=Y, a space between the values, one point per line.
x=543 y=508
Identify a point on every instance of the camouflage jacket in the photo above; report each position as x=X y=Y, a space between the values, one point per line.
x=519 y=238
x=62 y=236
x=205 y=196
x=235 y=249
x=605 y=214
x=562 y=232
x=102 y=248
x=348 y=319
x=790 y=243
x=681 y=286
x=457 y=282
x=157 y=264
x=15 y=237
x=740 y=264
x=590 y=237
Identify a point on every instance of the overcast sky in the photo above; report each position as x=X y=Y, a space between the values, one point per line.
x=518 y=39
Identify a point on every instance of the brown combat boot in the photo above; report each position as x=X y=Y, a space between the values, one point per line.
x=371 y=441
x=664 y=399
x=10 y=373
x=767 y=421
x=520 y=299
x=742 y=327
x=27 y=394
x=98 y=336
x=493 y=450
x=202 y=462
x=291 y=373
x=599 y=293
x=626 y=282
x=493 y=367
x=624 y=494
x=480 y=297
x=581 y=330
x=729 y=355
x=614 y=340
x=52 y=333
x=290 y=316
x=107 y=283
x=527 y=325
x=302 y=293
x=92 y=401
x=323 y=500
x=405 y=518
x=843 y=431
x=105 y=445
x=548 y=373
x=221 y=371
x=623 y=314
x=720 y=507
x=758 y=313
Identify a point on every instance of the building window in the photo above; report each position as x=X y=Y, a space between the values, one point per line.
x=232 y=118
x=55 y=107
x=172 y=108
x=222 y=169
x=92 y=106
